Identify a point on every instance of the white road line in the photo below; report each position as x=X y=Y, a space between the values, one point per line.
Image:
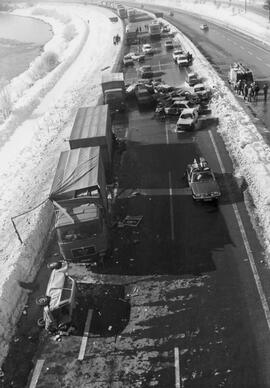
x=241 y=47
x=267 y=64
x=259 y=59
x=85 y=335
x=246 y=244
x=250 y=53
x=177 y=368
x=171 y=205
x=36 y=373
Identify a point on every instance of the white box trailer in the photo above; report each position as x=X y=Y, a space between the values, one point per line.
x=79 y=196
x=92 y=128
x=154 y=30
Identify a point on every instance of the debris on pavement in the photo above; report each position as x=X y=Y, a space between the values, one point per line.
x=133 y=221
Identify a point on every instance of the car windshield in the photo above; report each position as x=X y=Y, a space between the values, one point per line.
x=178 y=52
x=147 y=46
x=202 y=176
x=186 y=116
x=199 y=89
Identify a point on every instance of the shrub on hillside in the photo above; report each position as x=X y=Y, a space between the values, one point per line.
x=5 y=99
x=69 y=32
x=43 y=65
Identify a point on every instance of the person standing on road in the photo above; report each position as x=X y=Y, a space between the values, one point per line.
x=265 y=91
x=250 y=92
x=256 y=92
x=245 y=90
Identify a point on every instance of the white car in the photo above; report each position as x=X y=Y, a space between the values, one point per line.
x=204 y=26
x=165 y=29
x=147 y=49
x=176 y=53
x=137 y=57
x=177 y=107
x=192 y=79
x=169 y=44
x=187 y=119
x=127 y=60
x=201 y=91
x=182 y=60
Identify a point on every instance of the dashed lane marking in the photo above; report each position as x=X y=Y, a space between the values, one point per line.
x=250 y=53
x=171 y=205
x=242 y=48
x=246 y=244
x=259 y=59
x=177 y=368
x=36 y=373
x=85 y=335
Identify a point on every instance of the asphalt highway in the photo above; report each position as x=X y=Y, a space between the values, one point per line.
x=183 y=299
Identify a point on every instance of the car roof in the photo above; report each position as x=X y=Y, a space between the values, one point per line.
x=179 y=102
x=147 y=45
x=199 y=85
x=192 y=75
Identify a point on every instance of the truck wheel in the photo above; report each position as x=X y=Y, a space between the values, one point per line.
x=42 y=300
x=40 y=322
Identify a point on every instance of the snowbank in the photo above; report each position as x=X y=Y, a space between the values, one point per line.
x=34 y=135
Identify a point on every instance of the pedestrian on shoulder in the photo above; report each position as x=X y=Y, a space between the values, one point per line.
x=249 y=96
x=245 y=90
x=256 y=92
x=265 y=91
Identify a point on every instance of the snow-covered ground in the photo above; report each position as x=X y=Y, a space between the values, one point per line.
x=34 y=135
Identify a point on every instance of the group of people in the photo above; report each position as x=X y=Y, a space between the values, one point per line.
x=250 y=91
x=116 y=39
x=202 y=164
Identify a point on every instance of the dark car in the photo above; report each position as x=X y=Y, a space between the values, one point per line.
x=202 y=181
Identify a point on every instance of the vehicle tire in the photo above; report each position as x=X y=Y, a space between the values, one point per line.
x=55 y=265
x=42 y=300
x=40 y=322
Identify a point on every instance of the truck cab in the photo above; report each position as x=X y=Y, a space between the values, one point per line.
x=113 y=88
x=238 y=72
x=85 y=238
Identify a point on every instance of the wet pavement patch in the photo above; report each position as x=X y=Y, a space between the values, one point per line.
x=111 y=308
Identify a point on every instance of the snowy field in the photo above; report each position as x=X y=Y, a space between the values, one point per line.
x=36 y=131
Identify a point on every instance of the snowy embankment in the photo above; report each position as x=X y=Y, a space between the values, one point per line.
x=34 y=135
x=247 y=148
